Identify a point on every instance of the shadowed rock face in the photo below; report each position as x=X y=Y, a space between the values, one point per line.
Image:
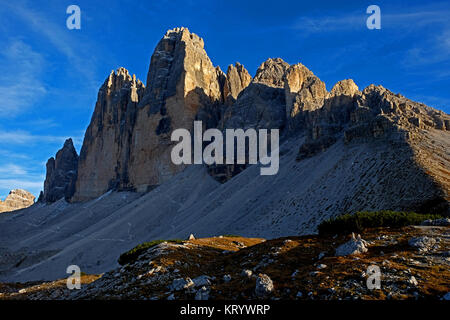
x=262 y=103
x=17 y=199
x=61 y=174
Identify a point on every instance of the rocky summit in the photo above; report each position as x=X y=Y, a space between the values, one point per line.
x=17 y=199
x=61 y=174
x=341 y=151
x=127 y=144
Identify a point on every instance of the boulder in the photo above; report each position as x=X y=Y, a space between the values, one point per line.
x=355 y=245
x=423 y=244
x=264 y=285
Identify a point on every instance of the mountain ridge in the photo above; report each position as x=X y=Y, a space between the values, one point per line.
x=341 y=151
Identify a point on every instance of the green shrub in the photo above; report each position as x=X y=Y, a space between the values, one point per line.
x=362 y=220
x=134 y=253
x=231 y=236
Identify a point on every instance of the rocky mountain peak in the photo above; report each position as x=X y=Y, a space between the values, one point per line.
x=17 y=199
x=304 y=92
x=271 y=72
x=61 y=174
x=127 y=145
x=344 y=88
x=183 y=34
x=237 y=79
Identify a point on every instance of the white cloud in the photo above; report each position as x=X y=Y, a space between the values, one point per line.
x=33 y=186
x=400 y=20
x=7 y=154
x=20 y=83
x=58 y=36
x=12 y=169
x=24 y=137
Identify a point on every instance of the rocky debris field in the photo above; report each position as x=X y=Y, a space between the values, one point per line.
x=414 y=263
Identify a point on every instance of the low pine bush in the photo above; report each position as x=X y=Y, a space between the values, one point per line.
x=134 y=253
x=362 y=220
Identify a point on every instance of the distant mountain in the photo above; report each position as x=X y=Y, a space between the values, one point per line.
x=17 y=199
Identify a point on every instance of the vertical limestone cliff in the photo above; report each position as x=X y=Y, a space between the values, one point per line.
x=127 y=144
x=181 y=84
x=106 y=150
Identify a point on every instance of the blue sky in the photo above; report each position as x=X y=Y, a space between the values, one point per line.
x=49 y=75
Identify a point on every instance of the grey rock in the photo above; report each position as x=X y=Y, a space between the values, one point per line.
x=264 y=285
x=202 y=294
x=180 y=284
x=423 y=243
x=201 y=281
x=355 y=245
x=61 y=174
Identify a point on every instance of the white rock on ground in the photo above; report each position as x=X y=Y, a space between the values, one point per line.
x=354 y=246
x=422 y=244
x=413 y=281
x=264 y=285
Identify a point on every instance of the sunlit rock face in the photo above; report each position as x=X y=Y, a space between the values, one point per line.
x=106 y=151
x=17 y=199
x=182 y=84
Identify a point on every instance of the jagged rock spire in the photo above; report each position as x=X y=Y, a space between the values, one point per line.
x=61 y=174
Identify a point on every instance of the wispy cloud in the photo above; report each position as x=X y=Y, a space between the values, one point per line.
x=7 y=154
x=42 y=123
x=436 y=50
x=57 y=35
x=13 y=176
x=357 y=20
x=20 y=83
x=33 y=186
x=12 y=169
x=24 y=137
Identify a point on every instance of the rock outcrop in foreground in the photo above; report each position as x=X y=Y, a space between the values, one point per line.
x=291 y=268
x=16 y=200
